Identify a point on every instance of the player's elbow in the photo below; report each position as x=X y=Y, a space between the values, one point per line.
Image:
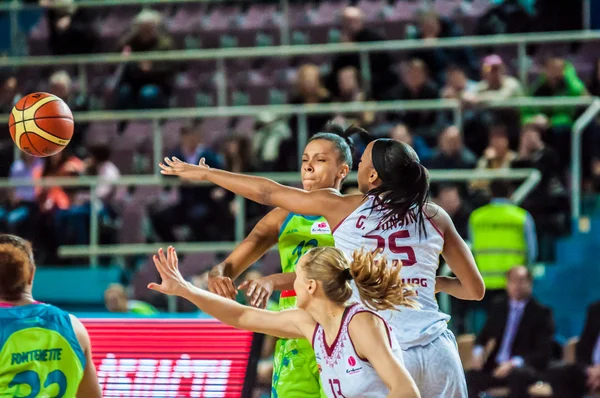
x=478 y=291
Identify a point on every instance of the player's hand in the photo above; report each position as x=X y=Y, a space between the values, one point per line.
x=258 y=292
x=176 y=167
x=172 y=282
x=222 y=285
x=503 y=370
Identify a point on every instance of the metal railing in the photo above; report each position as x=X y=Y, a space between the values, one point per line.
x=531 y=178
x=363 y=49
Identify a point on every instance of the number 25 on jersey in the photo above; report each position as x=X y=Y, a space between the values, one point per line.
x=395 y=247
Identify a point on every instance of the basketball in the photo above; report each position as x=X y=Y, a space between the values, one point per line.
x=41 y=124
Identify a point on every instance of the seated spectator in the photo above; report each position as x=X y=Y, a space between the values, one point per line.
x=71 y=28
x=548 y=202
x=145 y=84
x=559 y=79
x=418 y=86
x=516 y=343
x=61 y=85
x=20 y=216
x=458 y=85
x=433 y=27
x=575 y=380
x=401 y=133
x=497 y=155
x=451 y=153
x=448 y=197
x=195 y=204
x=270 y=131
x=308 y=90
x=115 y=299
x=495 y=85
x=383 y=78
x=9 y=96
x=350 y=91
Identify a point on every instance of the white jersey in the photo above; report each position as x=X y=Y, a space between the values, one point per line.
x=400 y=240
x=343 y=373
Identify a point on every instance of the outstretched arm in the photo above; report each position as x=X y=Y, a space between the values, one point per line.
x=262 y=238
x=468 y=283
x=371 y=341
x=328 y=203
x=286 y=324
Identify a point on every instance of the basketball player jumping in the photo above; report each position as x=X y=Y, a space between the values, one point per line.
x=395 y=216
x=356 y=353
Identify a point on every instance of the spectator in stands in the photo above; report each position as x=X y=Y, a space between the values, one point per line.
x=516 y=342
x=448 y=197
x=401 y=133
x=270 y=131
x=9 y=96
x=495 y=85
x=309 y=90
x=383 y=78
x=583 y=376
x=195 y=204
x=433 y=27
x=350 y=90
x=20 y=216
x=497 y=155
x=451 y=153
x=61 y=85
x=559 y=79
x=115 y=299
x=418 y=86
x=502 y=236
x=145 y=84
x=71 y=28
x=458 y=85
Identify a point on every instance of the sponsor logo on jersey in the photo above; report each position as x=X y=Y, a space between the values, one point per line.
x=320 y=228
x=353 y=368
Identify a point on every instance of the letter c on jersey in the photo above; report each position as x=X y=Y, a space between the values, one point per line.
x=360 y=222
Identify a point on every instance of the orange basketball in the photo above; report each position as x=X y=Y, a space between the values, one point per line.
x=41 y=124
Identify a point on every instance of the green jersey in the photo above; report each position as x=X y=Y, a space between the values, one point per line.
x=40 y=355
x=295 y=370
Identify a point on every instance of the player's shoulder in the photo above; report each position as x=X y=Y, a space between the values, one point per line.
x=80 y=332
x=437 y=215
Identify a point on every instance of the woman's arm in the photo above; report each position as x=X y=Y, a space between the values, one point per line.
x=263 y=236
x=328 y=203
x=88 y=387
x=468 y=283
x=286 y=324
x=371 y=340
x=259 y=290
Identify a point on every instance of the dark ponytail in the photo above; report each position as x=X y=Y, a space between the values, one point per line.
x=342 y=140
x=404 y=187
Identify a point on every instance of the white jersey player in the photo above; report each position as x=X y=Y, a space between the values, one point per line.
x=395 y=189
x=343 y=371
x=357 y=354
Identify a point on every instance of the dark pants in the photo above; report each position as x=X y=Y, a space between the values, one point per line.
x=518 y=381
x=567 y=380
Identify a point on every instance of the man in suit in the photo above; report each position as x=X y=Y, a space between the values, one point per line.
x=516 y=342
x=575 y=380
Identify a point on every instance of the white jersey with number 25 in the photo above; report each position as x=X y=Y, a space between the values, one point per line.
x=343 y=373
x=400 y=240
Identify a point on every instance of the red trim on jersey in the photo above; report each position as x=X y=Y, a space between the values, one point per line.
x=287 y=293
x=328 y=349
x=315 y=334
x=340 y=223
x=435 y=226
x=387 y=329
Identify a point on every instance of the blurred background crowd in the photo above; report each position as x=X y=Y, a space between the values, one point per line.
x=487 y=138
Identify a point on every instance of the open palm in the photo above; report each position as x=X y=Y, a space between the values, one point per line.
x=177 y=167
x=172 y=282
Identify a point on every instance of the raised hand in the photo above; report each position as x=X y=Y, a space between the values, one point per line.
x=172 y=282
x=258 y=292
x=176 y=167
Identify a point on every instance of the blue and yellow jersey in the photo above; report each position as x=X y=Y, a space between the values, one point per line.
x=40 y=355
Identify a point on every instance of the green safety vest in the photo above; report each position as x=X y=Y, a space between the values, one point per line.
x=498 y=241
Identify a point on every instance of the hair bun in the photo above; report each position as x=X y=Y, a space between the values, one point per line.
x=346 y=275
